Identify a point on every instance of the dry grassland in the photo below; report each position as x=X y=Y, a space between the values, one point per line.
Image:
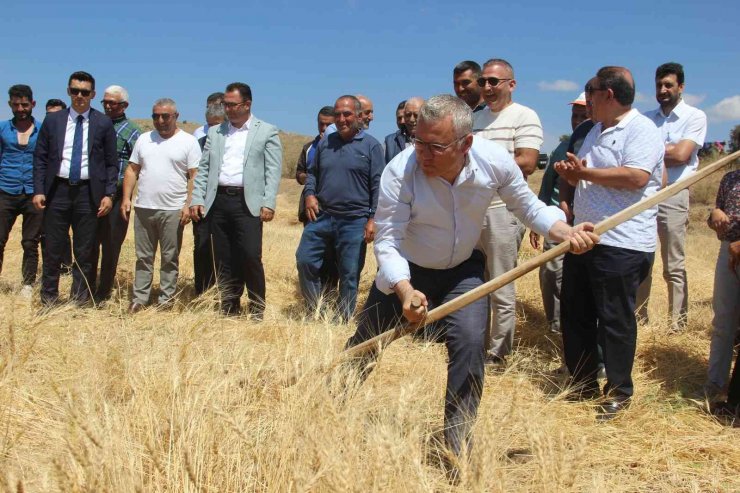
x=187 y=400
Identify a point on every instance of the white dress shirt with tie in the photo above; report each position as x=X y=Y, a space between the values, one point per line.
x=69 y=138
x=435 y=224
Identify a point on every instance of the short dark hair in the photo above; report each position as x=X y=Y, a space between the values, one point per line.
x=215 y=97
x=327 y=111
x=614 y=78
x=401 y=105
x=56 y=102
x=83 y=77
x=21 y=91
x=358 y=104
x=466 y=65
x=244 y=90
x=668 y=69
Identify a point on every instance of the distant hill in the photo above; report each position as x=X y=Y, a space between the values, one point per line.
x=292 y=143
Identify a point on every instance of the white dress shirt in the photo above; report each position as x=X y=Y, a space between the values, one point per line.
x=69 y=138
x=232 y=167
x=683 y=123
x=435 y=224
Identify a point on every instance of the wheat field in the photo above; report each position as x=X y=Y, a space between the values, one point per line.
x=187 y=400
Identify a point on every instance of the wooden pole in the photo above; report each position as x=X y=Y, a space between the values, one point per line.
x=379 y=342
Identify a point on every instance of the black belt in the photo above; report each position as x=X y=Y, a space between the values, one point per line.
x=231 y=190
x=71 y=184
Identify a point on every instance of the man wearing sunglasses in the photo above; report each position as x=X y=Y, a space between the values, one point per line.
x=518 y=129
x=619 y=164
x=75 y=171
x=112 y=228
x=433 y=198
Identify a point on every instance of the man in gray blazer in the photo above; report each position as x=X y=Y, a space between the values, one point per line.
x=236 y=187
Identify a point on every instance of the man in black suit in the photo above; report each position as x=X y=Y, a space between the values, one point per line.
x=75 y=172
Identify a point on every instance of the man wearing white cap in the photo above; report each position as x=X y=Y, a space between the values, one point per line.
x=551 y=273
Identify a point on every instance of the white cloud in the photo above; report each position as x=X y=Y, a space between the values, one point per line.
x=641 y=97
x=726 y=110
x=558 y=85
x=694 y=99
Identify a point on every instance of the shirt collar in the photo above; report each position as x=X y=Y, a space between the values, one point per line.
x=120 y=118
x=631 y=114
x=36 y=124
x=680 y=109
x=246 y=126
x=73 y=114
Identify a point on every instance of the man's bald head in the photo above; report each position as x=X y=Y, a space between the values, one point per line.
x=367 y=110
x=620 y=81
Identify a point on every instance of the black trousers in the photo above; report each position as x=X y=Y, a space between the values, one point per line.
x=12 y=206
x=237 y=242
x=733 y=390
x=464 y=331
x=205 y=276
x=111 y=233
x=69 y=205
x=597 y=307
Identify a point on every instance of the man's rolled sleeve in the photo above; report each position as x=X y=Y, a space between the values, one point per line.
x=392 y=218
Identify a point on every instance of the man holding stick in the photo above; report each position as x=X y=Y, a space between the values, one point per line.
x=432 y=202
x=618 y=165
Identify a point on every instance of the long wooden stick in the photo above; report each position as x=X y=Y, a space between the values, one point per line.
x=379 y=342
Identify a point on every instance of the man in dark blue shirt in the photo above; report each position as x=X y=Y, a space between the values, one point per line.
x=341 y=196
x=17 y=143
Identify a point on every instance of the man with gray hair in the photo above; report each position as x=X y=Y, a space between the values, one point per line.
x=164 y=161
x=112 y=228
x=433 y=198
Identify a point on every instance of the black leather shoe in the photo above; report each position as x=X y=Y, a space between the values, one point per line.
x=135 y=308
x=611 y=407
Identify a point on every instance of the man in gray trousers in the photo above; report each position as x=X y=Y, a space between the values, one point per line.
x=164 y=161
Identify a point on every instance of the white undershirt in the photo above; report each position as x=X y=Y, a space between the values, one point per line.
x=232 y=168
x=69 y=138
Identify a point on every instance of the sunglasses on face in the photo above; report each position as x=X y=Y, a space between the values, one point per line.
x=110 y=102
x=230 y=105
x=589 y=89
x=163 y=116
x=492 y=81
x=77 y=92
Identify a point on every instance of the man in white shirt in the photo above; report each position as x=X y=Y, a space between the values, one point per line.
x=518 y=129
x=683 y=129
x=217 y=99
x=619 y=164
x=236 y=188
x=164 y=161
x=433 y=198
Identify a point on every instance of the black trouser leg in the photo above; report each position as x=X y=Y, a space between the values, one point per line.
x=202 y=256
x=111 y=233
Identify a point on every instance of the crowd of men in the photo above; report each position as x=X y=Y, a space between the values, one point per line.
x=444 y=199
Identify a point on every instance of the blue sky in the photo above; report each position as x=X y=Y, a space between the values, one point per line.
x=299 y=56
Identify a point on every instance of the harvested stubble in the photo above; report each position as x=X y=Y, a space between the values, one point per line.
x=186 y=400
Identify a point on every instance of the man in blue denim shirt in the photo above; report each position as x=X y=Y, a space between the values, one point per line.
x=17 y=143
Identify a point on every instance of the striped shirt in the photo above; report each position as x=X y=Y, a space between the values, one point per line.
x=127 y=132
x=514 y=127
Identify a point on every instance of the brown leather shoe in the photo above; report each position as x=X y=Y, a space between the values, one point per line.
x=135 y=307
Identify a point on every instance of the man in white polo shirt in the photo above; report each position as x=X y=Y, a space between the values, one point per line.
x=518 y=129
x=619 y=164
x=683 y=128
x=164 y=161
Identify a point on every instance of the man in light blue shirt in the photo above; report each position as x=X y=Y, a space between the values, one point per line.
x=432 y=202
x=17 y=143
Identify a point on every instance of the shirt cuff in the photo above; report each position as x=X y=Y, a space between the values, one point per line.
x=545 y=220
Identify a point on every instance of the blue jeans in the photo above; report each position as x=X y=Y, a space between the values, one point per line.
x=346 y=234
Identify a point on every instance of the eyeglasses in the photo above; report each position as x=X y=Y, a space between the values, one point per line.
x=589 y=89
x=228 y=104
x=76 y=92
x=163 y=116
x=493 y=81
x=437 y=149
x=110 y=102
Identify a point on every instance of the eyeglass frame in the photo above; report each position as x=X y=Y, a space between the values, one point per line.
x=439 y=149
